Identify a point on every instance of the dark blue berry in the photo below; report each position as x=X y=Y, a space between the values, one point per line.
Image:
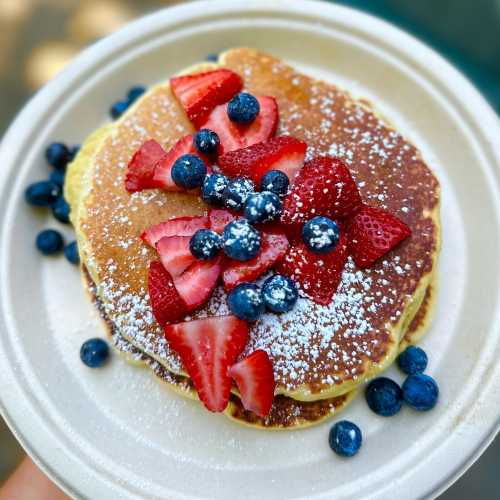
x=58 y=155
x=60 y=210
x=384 y=396
x=206 y=141
x=262 y=207
x=71 y=253
x=321 y=234
x=412 y=360
x=57 y=177
x=94 y=352
x=236 y=193
x=280 y=293
x=275 y=181
x=213 y=188
x=189 y=171
x=345 y=438
x=241 y=241
x=212 y=57
x=243 y=108
x=205 y=244
x=420 y=392
x=246 y=302
x=135 y=92
x=74 y=151
x=42 y=193
x=49 y=242
x=118 y=108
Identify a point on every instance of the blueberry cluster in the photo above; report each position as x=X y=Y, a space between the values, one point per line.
x=119 y=107
x=49 y=194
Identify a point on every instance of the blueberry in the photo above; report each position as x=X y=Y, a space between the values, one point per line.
x=49 y=241
x=275 y=181
x=206 y=141
x=205 y=244
x=118 y=108
x=321 y=234
x=135 y=92
x=57 y=177
x=74 y=151
x=213 y=189
x=236 y=193
x=212 y=57
x=241 y=241
x=94 y=352
x=412 y=360
x=71 y=253
x=262 y=207
x=246 y=302
x=420 y=392
x=189 y=171
x=345 y=438
x=280 y=293
x=42 y=193
x=57 y=155
x=60 y=210
x=243 y=108
x=384 y=396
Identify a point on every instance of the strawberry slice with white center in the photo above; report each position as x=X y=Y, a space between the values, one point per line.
x=140 y=169
x=175 y=254
x=196 y=284
x=208 y=347
x=254 y=377
x=179 y=226
x=200 y=93
x=283 y=153
x=372 y=232
x=273 y=248
x=219 y=219
x=166 y=303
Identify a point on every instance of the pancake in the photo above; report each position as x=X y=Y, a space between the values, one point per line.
x=318 y=352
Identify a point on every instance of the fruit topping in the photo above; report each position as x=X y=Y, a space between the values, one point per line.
x=246 y=301
x=412 y=360
x=219 y=219
x=241 y=241
x=179 y=226
x=280 y=293
x=208 y=348
x=174 y=254
x=205 y=244
x=237 y=192
x=200 y=93
x=384 y=396
x=254 y=378
x=189 y=171
x=243 y=108
x=321 y=234
x=141 y=167
x=262 y=207
x=275 y=181
x=213 y=188
x=206 y=141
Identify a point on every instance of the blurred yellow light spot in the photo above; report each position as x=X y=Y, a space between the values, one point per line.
x=14 y=10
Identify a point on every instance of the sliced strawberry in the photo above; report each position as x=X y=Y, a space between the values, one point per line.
x=166 y=303
x=273 y=248
x=324 y=186
x=254 y=377
x=219 y=219
x=140 y=169
x=372 y=233
x=179 y=226
x=197 y=283
x=228 y=132
x=318 y=276
x=175 y=254
x=200 y=93
x=279 y=153
x=208 y=347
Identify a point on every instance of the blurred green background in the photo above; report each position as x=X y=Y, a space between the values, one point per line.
x=38 y=37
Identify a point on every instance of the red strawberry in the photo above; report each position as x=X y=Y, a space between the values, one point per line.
x=219 y=219
x=233 y=136
x=317 y=275
x=180 y=226
x=175 y=254
x=254 y=377
x=199 y=94
x=208 y=347
x=196 y=284
x=274 y=247
x=140 y=169
x=279 y=153
x=166 y=303
x=373 y=232
x=324 y=186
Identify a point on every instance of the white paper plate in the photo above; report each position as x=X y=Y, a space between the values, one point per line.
x=115 y=432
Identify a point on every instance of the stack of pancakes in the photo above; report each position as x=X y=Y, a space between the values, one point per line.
x=320 y=354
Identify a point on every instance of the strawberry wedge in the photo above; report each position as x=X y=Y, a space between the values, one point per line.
x=219 y=219
x=140 y=169
x=175 y=254
x=179 y=226
x=208 y=348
